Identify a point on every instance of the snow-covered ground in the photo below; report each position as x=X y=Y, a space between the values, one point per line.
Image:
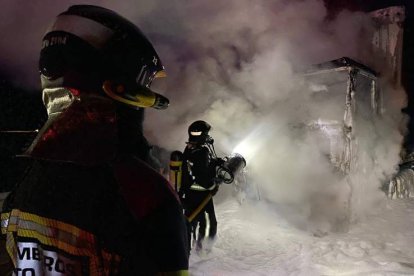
x=254 y=239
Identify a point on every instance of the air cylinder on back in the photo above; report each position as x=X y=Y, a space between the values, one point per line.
x=176 y=162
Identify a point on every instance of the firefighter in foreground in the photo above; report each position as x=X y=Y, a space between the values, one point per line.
x=199 y=184
x=88 y=205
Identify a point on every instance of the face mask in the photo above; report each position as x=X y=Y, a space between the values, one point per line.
x=56 y=100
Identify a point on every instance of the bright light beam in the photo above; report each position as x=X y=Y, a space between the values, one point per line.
x=249 y=146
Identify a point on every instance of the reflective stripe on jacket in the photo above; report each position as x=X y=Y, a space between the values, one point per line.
x=119 y=219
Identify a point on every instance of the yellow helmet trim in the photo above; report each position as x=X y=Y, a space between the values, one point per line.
x=160 y=74
x=144 y=98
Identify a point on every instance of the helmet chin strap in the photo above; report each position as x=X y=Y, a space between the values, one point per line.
x=210 y=146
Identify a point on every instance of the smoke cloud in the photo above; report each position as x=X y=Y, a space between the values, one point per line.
x=236 y=64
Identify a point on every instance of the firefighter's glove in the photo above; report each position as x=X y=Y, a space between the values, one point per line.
x=219 y=161
x=218 y=180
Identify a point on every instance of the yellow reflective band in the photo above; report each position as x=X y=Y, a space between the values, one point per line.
x=53 y=242
x=197 y=187
x=5 y=215
x=4 y=222
x=48 y=228
x=160 y=74
x=176 y=165
x=11 y=247
x=174 y=273
x=57 y=234
x=72 y=230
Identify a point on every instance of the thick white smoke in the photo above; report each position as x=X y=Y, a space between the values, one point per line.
x=235 y=64
x=240 y=75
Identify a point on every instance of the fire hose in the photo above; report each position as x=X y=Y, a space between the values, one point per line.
x=226 y=173
x=199 y=208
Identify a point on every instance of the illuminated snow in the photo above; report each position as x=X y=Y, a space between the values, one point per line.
x=254 y=239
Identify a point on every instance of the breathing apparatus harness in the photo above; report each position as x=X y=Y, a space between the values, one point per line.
x=227 y=167
x=226 y=170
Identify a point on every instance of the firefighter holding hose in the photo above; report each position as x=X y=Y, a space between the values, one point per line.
x=199 y=184
x=196 y=174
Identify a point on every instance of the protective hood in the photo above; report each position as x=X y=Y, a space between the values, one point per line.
x=79 y=129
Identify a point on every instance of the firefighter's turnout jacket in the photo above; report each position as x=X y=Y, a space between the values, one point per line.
x=197 y=184
x=198 y=169
x=114 y=217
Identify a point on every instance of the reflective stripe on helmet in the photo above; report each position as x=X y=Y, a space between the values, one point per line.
x=88 y=30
